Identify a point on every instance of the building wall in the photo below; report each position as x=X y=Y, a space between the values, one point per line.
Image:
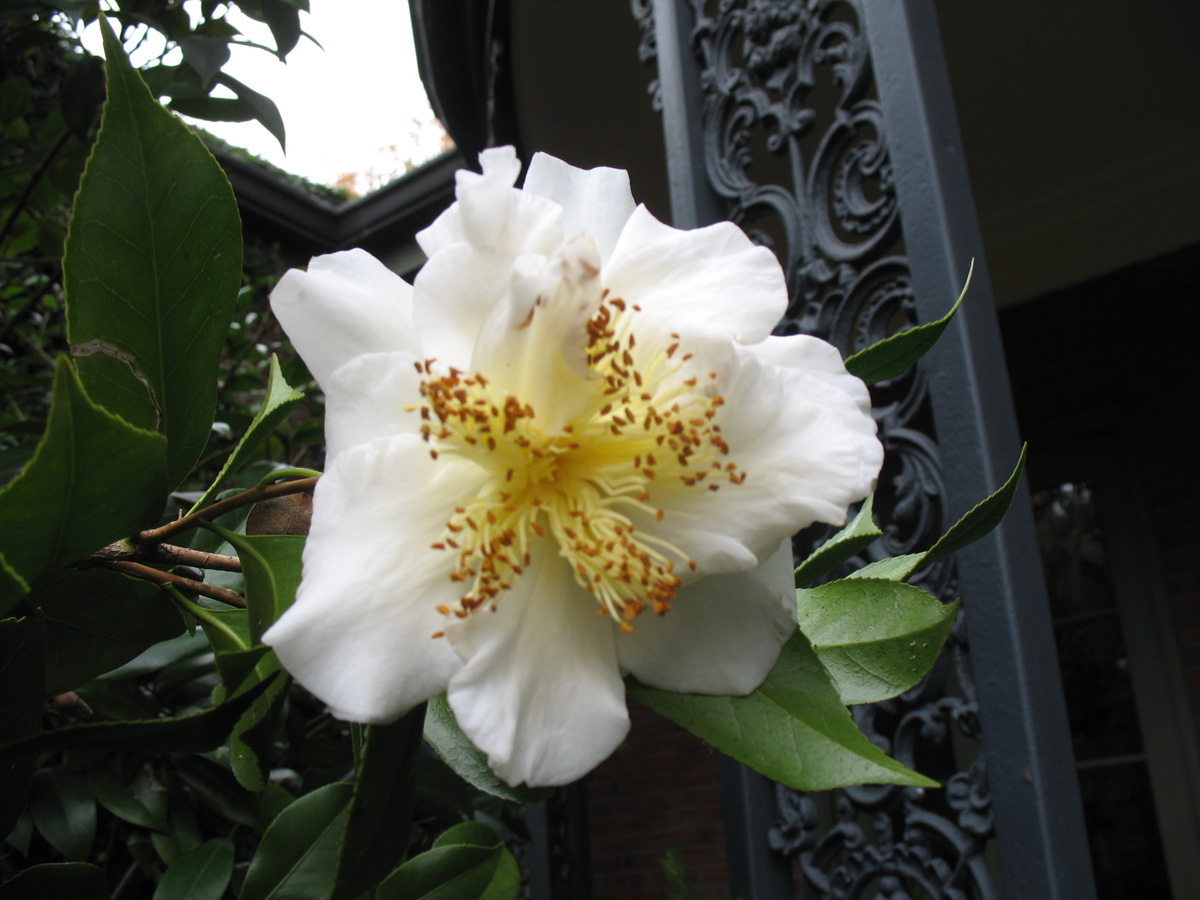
x=659 y=794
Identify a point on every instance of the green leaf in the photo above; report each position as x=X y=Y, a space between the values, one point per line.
x=271 y=566
x=76 y=880
x=137 y=801
x=457 y=751
x=252 y=740
x=876 y=638
x=82 y=94
x=93 y=480
x=893 y=355
x=195 y=733
x=794 y=728
x=264 y=107
x=21 y=834
x=97 y=620
x=22 y=673
x=12 y=586
x=284 y=21
x=979 y=521
x=463 y=864
x=276 y=405
x=64 y=811
x=381 y=812
x=215 y=787
x=212 y=109
x=202 y=874
x=152 y=268
x=298 y=853
x=205 y=54
x=894 y=568
x=506 y=880
x=859 y=534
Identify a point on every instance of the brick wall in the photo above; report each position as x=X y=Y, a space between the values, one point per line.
x=658 y=794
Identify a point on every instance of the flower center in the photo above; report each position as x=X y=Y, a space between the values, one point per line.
x=648 y=430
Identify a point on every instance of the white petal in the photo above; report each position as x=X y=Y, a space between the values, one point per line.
x=346 y=304
x=722 y=634
x=366 y=398
x=455 y=292
x=493 y=216
x=540 y=693
x=817 y=358
x=711 y=276
x=806 y=446
x=359 y=635
x=597 y=202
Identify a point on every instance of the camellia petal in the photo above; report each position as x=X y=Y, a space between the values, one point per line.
x=359 y=633
x=586 y=458
x=722 y=634
x=666 y=271
x=346 y=304
x=597 y=202
x=366 y=398
x=548 y=723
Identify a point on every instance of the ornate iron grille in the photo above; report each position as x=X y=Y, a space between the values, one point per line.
x=794 y=143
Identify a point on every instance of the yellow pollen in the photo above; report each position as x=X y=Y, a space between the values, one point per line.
x=584 y=486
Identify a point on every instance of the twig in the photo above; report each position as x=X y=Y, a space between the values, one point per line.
x=162 y=578
x=167 y=554
x=40 y=171
x=246 y=498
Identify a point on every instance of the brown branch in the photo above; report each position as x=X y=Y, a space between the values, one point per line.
x=168 y=554
x=187 y=584
x=246 y=498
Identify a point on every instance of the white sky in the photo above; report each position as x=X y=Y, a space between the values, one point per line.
x=342 y=106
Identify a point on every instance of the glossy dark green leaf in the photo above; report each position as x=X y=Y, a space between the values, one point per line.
x=980 y=520
x=97 y=620
x=380 y=820
x=462 y=865
x=202 y=874
x=195 y=733
x=271 y=566
x=73 y=880
x=298 y=854
x=136 y=800
x=152 y=268
x=183 y=835
x=794 y=728
x=215 y=787
x=213 y=109
x=876 y=638
x=64 y=811
x=162 y=656
x=264 y=107
x=858 y=534
x=278 y=402
x=893 y=568
x=12 y=586
x=893 y=355
x=284 y=21
x=82 y=94
x=21 y=834
x=22 y=673
x=457 y=751
x=252 y=740
x=93 y=480
x=205 y=54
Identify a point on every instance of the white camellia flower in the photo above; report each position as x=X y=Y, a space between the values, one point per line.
x=572 y=450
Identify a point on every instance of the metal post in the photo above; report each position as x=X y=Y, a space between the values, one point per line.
x=1039 y=822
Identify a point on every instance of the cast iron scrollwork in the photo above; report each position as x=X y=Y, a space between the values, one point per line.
x=795 y=144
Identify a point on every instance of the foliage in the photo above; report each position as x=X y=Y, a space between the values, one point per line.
x=174 y=756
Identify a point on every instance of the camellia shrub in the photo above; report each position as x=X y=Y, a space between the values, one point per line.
x=563 y=467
